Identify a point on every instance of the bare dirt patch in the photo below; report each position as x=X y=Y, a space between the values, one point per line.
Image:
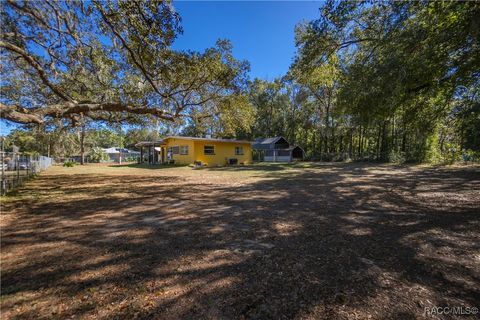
x=311 y=241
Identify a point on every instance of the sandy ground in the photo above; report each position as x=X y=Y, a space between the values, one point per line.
x=309 y=241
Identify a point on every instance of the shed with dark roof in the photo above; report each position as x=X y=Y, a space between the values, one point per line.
x=277 y=149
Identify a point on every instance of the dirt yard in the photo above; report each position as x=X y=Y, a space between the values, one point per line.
x=310 y=241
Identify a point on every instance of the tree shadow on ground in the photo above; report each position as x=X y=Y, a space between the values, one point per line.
x=270 y=166
x=147 y=166
x=336 y=242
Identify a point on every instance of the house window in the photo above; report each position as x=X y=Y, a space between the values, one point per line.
x=183 y=150
x=269 y=153
x=173 y=150
x=238 y=151
x=208 y=150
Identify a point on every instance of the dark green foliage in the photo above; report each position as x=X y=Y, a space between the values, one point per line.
x=387 y=79
x=98 y=155
x=69 y=163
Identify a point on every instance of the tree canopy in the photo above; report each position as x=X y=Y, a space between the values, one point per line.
x=106 y=60
x=390 y=73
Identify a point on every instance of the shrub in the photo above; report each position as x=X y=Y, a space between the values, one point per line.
x=69 y=163
x=129 y=158
x=98 y=155
x=451 y=156
x=470 y=156
x=396 y=157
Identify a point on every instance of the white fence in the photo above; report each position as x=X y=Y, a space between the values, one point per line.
x=16 y=168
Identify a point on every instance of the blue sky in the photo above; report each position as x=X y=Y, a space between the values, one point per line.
x=261 y=32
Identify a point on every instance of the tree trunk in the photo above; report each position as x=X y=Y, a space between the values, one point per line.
x=320 y=147
x=365 y=141
x=340 y=146
x=360 y=142
x=442 y=141
x=49 y=146
x=379 y=138
x=333 y=146
x=385 y=144
x=350 y=148
x=82 y=145
x=327 y=127
x=394 y=135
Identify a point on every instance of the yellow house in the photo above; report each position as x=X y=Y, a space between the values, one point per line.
x=192 y=150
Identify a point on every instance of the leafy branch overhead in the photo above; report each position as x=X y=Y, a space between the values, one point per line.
x=107 y=61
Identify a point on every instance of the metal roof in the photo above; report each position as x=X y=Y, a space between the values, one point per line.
x=149 y=143
x=163 y=141
x=206 y=139
x=118 y=150
x=268 y=140
x=266 y=143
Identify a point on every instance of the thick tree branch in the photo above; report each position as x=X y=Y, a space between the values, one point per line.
x=70 y=110
x=19 y=114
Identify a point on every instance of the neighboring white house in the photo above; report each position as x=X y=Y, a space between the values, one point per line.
x=277 y=149
x=121 y=155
